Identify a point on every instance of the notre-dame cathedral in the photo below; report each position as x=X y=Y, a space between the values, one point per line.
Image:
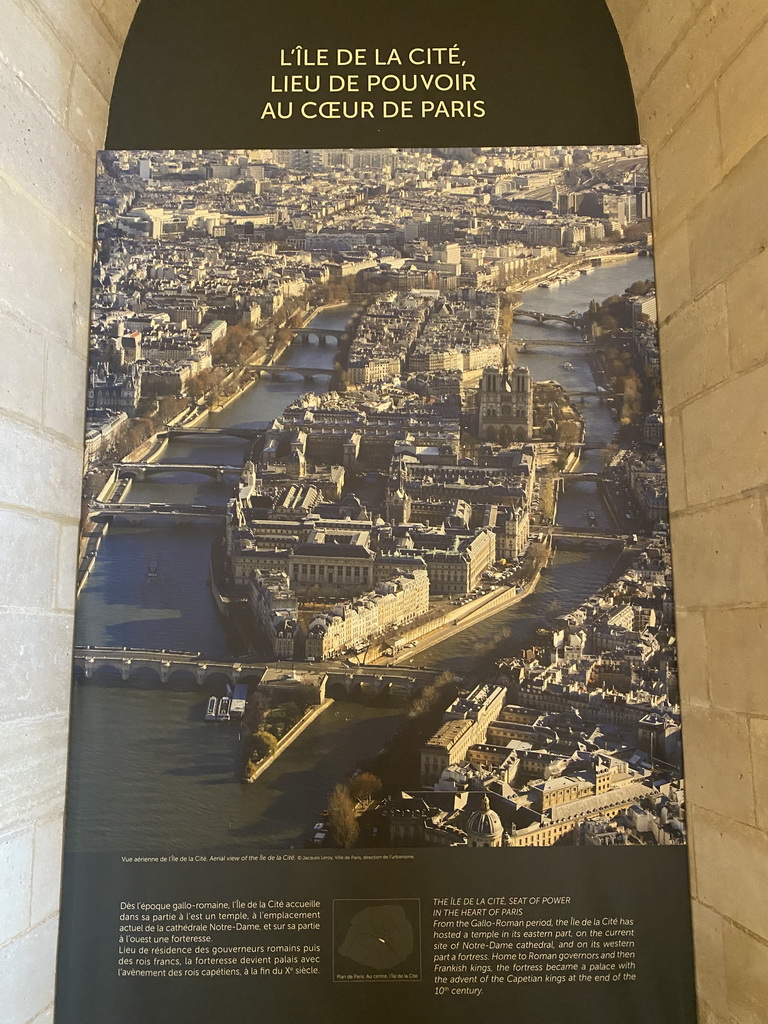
x=505 y=405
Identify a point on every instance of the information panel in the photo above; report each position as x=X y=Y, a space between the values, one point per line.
x=375 y=692
x=544 y=935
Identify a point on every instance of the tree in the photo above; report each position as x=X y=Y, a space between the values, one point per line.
x=292 y=712
x=640 y=287
x=236 y=347
x=341 y=818
x=201 y=384
x=256 y=710
x=436 y=694
x=538 y=555
x=364 y=787
x=264 y=745
x=569 y=431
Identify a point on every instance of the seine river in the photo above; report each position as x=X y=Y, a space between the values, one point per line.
x=146 y=772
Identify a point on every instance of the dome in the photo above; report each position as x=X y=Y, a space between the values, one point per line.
x=484 y=823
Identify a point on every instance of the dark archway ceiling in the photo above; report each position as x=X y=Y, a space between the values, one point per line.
x=196 y=73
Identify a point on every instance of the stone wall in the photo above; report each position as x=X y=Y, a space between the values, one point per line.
x=699 y=71
x=700 y=74
x=57 y=60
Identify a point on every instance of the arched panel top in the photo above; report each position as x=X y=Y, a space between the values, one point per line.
x=197 y=73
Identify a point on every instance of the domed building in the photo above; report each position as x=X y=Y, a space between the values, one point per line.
x=484 y=826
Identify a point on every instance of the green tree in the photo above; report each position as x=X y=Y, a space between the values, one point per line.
x=264 y=745
x=640 y=287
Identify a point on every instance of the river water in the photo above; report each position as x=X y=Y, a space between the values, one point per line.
x=146 y=772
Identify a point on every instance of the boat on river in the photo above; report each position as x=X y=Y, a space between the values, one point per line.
x=210 y=713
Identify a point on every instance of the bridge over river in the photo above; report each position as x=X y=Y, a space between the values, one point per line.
x=134 y=512
x=578 y=477
x=598 y=537
x=531 y=344
x=574 y=320
x=194 y=667
x=305 y=334
x=245 y=433
x=142 y=470
x=278 y=371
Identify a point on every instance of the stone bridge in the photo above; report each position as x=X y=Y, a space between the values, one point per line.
x=134 y=512
x=323 y=335
x=531 y=344
x=373 y=684
x=245 y=433
x=602 y=395
x=141 y=470
x=587 y=534
x=578 y=477
x=279 y=370
x=164 y=664
x=575 y=321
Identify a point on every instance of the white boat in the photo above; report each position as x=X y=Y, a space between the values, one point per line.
x=223 y=713
x=210 y=714
x=568 y=366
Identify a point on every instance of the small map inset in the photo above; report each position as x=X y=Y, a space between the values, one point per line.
x=377 y=940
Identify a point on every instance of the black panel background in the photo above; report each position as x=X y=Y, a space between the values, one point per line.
x=649 y=884
x=195 y=73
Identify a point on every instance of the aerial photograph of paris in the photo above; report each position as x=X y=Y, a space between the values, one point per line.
x=374 y=545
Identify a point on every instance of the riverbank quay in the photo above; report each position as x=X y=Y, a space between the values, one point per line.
x=606 y=258
x=451 y=623
x=292 y=735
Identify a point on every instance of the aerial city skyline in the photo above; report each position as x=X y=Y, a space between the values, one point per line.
x=377 y=433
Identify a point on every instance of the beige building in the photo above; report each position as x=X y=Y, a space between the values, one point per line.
x=354 y=624
x=332 y=562
x=275 y=611
x=465 y=723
